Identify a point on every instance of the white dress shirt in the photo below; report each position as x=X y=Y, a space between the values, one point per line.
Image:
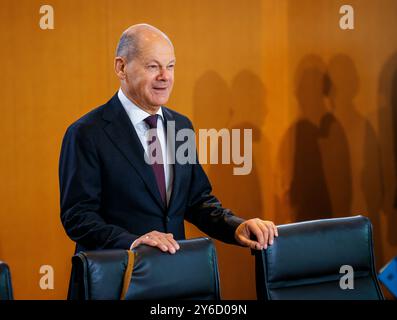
x=137 y=116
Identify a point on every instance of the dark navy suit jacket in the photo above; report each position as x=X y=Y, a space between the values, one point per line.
x=109 y=195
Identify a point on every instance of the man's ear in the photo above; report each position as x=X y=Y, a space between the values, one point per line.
x=119 y=67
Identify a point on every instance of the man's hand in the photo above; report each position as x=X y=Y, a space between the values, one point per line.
x=264 y=232
x=163 y=241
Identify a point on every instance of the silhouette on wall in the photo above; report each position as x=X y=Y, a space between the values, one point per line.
x=240 y=106
x=387 y=117
x=308 y=193
x=365 y=152
x=314 y=151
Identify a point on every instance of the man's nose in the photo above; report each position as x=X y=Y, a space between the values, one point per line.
x=164 y=74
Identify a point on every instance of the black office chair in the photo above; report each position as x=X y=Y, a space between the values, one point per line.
x=306 y=259
x=5 y=282
x=147 y=273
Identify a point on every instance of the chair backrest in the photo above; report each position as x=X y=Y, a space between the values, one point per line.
x=305 y=262
x=5 y=282
x=190 y=273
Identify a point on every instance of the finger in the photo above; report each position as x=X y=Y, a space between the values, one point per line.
x=143 y=240
x=150 y=241
x=249 y=243
x=258 y=232
x=165 y=241
x=275 y=230
x=173 y=241
x=169 y=244
x=160 y=242
x=136 y=243
x=267 y=227
x=270 y=229
x=274 y=227
x=262 y=233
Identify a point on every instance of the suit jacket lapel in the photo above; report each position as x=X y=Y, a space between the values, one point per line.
x=121 y=131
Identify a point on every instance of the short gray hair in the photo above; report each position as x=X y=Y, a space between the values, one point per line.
x=128 y=46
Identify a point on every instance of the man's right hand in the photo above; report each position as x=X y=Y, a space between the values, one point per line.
x=164 y=241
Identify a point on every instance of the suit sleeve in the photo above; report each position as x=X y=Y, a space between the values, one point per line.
x=206 y=212
x=80 y=193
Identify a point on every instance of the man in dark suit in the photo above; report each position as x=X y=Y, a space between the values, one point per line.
x=111 y=197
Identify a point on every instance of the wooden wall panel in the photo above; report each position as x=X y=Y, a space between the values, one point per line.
x=318 y=150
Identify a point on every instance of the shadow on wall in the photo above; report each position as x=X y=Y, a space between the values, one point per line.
x=218 y=106
x=331 y=147
x=387 y=97
x=364 y=146
x=317 y=180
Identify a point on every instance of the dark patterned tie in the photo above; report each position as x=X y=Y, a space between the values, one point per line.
x=153 y=148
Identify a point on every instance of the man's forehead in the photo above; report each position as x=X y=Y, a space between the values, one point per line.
x=155 y=44
x=157 y=52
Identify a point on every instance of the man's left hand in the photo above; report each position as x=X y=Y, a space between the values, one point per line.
x=264 y=232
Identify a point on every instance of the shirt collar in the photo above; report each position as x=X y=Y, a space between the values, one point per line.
x=135 y=113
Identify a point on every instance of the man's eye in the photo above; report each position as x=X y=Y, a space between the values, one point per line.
x=171 y=66
x=152 y=67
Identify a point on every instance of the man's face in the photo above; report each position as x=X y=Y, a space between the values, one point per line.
x=150 y=75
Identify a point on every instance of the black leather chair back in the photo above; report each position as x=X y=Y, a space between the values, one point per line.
x=305 y=261
x=5 y=282
x=190 y=273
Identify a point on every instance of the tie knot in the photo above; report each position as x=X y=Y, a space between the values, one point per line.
x=152 y=121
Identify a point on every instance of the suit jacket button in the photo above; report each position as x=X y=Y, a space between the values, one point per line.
x=167 y=219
